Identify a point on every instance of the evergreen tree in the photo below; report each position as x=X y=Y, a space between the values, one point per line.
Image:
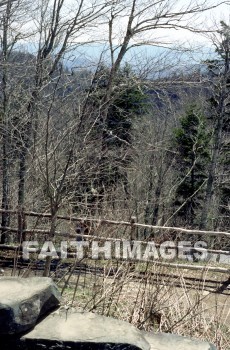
x=218 y=184
x=192 y=143
x=128 y=101
x=112 y=137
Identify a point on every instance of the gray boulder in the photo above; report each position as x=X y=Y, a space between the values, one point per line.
x=23 y=301
x=166 y=341
x=84 y=331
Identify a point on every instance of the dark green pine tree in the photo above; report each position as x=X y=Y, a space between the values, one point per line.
x=112 y=137
x=223 y=50
x=191 y=140
x=128 y=101
x=218 y=184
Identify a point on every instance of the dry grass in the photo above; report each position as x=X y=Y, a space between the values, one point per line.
x=152 y=302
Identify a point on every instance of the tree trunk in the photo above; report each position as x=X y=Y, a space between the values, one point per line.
x=5 y=190
x=217 y=139
x=5 y=132
x=21 y=194
x=53 y=224
x=212 y=172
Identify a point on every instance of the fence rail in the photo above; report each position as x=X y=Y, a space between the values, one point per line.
x=132 y=224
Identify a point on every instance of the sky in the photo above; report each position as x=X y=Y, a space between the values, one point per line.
x=208 y=20
x=200 y=43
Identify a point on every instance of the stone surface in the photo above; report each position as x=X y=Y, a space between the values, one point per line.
x=166 y=341
x=84 y=331
x=23 y=301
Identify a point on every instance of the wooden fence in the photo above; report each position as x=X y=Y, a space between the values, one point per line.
x=22 y=231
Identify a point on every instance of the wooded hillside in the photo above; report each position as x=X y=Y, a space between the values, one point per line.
x=100 y=136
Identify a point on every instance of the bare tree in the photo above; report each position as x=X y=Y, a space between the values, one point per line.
x=136 y=23
x=56 y=130
x=58 y=31
x=141 y=21
x=11 y=12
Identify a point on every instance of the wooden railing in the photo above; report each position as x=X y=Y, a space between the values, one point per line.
x=132 y=224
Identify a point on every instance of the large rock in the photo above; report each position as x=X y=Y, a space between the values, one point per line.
x=23 y=301
x=166 y=341
x=84 y=331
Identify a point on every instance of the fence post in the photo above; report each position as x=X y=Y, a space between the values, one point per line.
x=133 y=235
x=21 y=225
